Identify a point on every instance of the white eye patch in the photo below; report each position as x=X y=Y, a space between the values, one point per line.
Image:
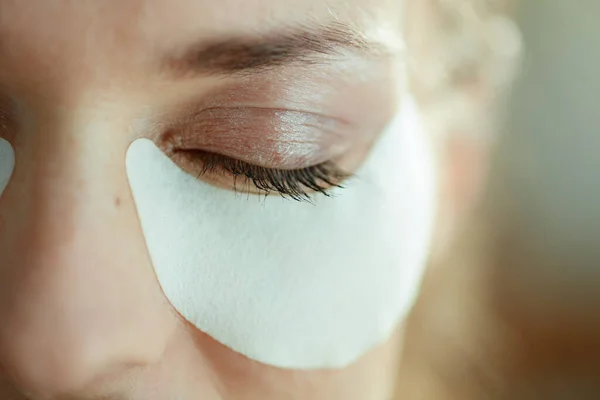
x=290 y=284
x=7 y=163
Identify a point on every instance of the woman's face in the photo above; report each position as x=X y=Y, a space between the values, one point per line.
x=172 y=224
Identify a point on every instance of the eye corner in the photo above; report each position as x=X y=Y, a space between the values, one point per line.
x=8 y=120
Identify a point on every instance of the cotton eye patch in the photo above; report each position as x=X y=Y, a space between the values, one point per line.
x=289 y=284
x=7 y=163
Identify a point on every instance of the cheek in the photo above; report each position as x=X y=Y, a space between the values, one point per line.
x=7 y=163
x=293 y=285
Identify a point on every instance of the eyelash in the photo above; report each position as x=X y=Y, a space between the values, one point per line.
x=296 y=184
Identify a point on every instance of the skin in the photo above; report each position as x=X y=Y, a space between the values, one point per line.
x=83 y=316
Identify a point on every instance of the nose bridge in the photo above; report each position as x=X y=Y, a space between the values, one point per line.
x=77 y=293
x=72 y=186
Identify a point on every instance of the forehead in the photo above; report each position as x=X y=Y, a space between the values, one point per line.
x=85 y=39
x=141 y=24
x=169 y=11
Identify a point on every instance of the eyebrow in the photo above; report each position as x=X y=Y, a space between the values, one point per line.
x=304 y=45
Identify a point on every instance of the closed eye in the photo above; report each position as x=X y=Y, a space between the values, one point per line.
x=297 y=184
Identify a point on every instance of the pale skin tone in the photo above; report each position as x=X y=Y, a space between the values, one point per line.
x=83 y=316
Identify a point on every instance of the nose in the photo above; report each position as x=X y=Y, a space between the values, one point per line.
x=79 y=302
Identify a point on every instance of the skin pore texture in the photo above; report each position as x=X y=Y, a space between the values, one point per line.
x=291 y=284
x=122 y=276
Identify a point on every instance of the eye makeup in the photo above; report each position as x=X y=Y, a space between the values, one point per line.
x=279 y=135
x=262 y=136
x=263 y=150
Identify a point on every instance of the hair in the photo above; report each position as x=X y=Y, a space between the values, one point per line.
x=462 y=56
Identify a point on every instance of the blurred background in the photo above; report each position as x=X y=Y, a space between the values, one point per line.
x=548 y=161
x=520 y=317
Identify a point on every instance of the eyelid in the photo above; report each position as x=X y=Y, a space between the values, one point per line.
x=269 y=137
